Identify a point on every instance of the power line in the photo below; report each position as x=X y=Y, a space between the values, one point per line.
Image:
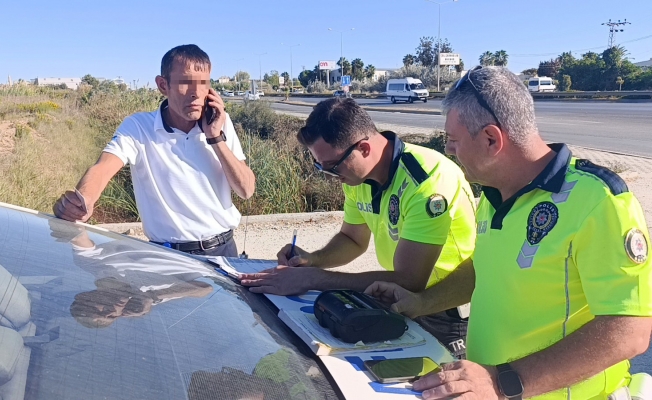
x=579 y=50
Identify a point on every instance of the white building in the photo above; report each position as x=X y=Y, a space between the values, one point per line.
x=223 y=79
x=71 y=83
x=380 y=74
x=644 y=64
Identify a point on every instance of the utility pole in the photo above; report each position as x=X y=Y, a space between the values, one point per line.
x=260 y=70
x=439 y=38
x=341 y=51
x=615 y=27
x=236 y=72
x=291 y=72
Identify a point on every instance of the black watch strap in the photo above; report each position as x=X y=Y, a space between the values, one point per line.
x=215 y=140
x=509 y=382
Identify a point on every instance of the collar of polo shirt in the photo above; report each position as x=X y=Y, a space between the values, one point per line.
x=399 y=147
x=551 y=179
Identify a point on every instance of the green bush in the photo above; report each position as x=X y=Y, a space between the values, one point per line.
x=286 y=180
x=38 y=108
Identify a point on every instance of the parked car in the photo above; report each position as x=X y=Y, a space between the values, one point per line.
x=341 y=93
x=227 y=93
x=89 y=314
x=239 y=93
x=406 y=89
x=251 y=96
x=260 y=93
x=297 y=91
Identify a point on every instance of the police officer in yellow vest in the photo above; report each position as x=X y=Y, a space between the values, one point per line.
x=414 y=200
x=560 y=278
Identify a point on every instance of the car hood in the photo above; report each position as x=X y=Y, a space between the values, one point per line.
x=88 y=314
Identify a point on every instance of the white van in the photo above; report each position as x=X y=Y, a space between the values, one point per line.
x=541 y=84
x=406 y=89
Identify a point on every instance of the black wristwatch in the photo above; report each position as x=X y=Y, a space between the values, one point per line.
x=509 y=382
x=215 y=140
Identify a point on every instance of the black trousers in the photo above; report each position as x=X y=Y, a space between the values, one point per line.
x=449 y=329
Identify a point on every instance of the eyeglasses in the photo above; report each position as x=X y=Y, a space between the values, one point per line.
x=331 y=171
x=476 y=92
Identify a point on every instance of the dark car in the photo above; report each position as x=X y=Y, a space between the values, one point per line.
x=89 y=314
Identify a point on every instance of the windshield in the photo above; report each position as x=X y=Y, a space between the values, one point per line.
x=415 y=86
x=91 y=315
x=534 y=83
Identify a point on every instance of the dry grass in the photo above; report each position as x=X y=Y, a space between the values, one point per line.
x=48 y=155
x=49 y=137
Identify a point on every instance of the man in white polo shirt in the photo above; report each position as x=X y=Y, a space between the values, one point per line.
x=182 y=167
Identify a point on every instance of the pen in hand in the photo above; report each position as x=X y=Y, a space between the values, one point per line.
x=294 y=242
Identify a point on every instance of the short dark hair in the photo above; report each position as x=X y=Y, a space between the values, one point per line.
x=184 y=53
x=339 y=121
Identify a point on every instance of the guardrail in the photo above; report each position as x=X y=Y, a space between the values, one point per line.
x=625 y=94
x=630 y=94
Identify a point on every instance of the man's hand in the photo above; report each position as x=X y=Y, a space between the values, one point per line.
x=402 y=300
x=462 y=380
x=301 y=257
x=282 y=280
x=216 y=102
x=70 y=207
x=137 y=306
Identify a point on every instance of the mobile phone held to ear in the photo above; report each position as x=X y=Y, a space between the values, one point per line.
x=400 y=369
x=209 y=112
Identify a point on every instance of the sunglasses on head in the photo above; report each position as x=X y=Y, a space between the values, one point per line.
x=332 y=170
x=476 y=92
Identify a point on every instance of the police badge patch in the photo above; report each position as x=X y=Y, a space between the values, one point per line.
x=436 y=205
x=636 y=246
x=394 y=211
x=542 y=219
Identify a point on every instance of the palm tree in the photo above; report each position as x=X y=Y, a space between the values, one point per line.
x=369 y=71
x=500 y=58
x=487 y=58
x=408 y=60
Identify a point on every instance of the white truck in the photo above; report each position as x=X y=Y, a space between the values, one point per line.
x=541 y=84
x=406 y=89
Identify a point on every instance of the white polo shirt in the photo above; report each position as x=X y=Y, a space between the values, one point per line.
x=181 y=191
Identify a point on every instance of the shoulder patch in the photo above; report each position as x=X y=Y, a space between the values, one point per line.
x=636 y=246
x=613 y=181
x=436 y=205
x=414 y=168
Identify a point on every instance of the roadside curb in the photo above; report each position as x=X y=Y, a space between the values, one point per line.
x=372 y=108
x=252 y=219
x=618 y=153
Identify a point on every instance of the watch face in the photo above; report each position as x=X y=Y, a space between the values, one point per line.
x=510 y=384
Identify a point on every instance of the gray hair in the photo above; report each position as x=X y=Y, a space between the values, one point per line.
x=507 y=96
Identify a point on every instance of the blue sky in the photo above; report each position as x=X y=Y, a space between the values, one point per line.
x=71 y=38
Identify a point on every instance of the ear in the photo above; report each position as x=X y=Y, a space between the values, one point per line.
x=162 y=85
x=494 y=139
x=365 y=148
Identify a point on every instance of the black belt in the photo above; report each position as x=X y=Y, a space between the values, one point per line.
x=210 y=243
x=454 y=313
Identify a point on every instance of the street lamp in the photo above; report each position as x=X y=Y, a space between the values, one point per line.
x=439 y=37
x=291 y=76
x=260 y=70
x=341 y=50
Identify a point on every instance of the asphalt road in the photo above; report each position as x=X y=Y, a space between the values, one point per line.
x=624 y=127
